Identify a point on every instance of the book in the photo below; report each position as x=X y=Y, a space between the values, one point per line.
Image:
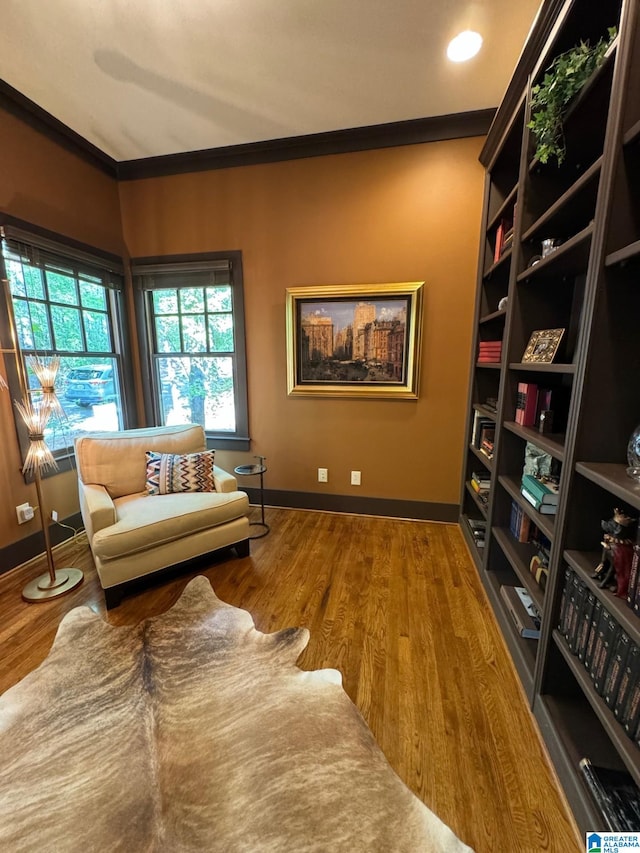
x=633 y=575
x=546 y=491
x=564 y=604
x=585 y=625
x=526 y=404
x=576 y=603
x=615 y=795
x=544 y=509
x=615 y=669
x=608 y=630
x=499 y=241
x=630 y=673
x=593 y=634
x=522 y=610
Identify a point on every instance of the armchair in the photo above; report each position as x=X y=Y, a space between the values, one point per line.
x=133 y=534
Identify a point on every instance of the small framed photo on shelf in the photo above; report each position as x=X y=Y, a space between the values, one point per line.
x=543 y=346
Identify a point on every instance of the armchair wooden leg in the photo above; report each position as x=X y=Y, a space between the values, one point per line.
x=242 y=548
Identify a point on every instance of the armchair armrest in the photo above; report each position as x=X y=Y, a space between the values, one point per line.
x=224 y=482
x=96 y=507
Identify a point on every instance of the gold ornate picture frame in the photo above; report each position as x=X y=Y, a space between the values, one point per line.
x=543 y=346
x=358 y=340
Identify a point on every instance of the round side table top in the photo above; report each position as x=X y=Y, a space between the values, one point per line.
x=248 y=470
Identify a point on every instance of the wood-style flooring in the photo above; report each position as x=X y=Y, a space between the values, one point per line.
x=398 y=608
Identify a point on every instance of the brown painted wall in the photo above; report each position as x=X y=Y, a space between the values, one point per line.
x=46 y=185
x=398 y=214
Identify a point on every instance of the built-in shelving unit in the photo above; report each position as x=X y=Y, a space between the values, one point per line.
x=589 y=286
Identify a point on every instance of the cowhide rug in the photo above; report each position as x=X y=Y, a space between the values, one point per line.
x=194 y=732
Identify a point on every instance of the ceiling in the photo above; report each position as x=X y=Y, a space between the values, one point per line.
x=142 y=78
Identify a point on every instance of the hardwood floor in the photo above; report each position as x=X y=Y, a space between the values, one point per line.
x=398 y=608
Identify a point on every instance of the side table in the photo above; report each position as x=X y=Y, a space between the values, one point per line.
x=250 y=471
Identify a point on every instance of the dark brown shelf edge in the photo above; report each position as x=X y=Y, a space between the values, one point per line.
x=493 y=316
x=546 y=523
x=508 y=545
x=632 y=134
x=625 y=747
x=582 y=181
x=583 y=94
x=614 y=478
x=505 y=204
x=481 y=508
x=555 y=257
x=623 y=254
x=473 y=549
x=494 y=266
x=485 y=410
x=551 y=445
x=583 y=563
x=542 y=368
x=556 y=732
x=492 y=365
x=488 y=463
x=523 y=651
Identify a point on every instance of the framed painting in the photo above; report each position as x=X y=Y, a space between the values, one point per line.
x=358 y=340
x=543 y=346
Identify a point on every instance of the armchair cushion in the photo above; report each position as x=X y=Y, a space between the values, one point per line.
x=173 y=472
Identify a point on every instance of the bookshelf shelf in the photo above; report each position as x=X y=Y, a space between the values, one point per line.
x=546 y=523
x=583 y=563
x=552 y=443
x=506 y=205
x=587 y=286
x=625 y=747
x=482 y=457
x=562 y=213
x=489 y=365
x=612 y=477
x=519 y=555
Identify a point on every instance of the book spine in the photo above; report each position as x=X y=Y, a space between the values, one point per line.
x=599 y=795
x=615 y=669
x=630 y=673
x=531 y=403
x=633 y=576
x=593 y=636
x=563 y=624
x=499 y=242
x=579 y=595
x=607 y=633
x=585 y=625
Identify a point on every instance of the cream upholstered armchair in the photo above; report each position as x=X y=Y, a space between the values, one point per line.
x=134 y=530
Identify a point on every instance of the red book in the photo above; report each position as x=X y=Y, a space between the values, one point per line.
x=499 y=241
x=526 y=404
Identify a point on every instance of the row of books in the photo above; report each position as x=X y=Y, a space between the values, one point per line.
x=542 y=494
x=606 y=651
x=478 y=527
x=531 y=400
x=615 y=795
x=523 y=611
x=504 y=238
x=524 y=530
x=483 y=433
x=489 y=352
x=481 y=484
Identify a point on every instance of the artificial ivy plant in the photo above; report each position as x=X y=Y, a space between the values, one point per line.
x=564 y=78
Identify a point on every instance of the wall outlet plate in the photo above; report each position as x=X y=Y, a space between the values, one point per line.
x=355 y=478
x=323 y=475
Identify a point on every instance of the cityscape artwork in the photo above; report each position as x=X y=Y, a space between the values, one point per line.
x=355 y=340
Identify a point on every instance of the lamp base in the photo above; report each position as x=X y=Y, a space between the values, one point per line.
x=43 y=588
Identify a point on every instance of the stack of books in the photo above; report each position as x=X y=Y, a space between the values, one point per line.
x=523 y=611
x=526 y=404
x=541 y=494
x=478 y=529
x=489 y=352
x=481 y=484
x=504 y=238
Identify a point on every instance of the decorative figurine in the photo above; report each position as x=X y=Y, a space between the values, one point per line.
x=617 y=553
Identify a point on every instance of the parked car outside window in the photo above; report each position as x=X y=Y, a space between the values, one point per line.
x=90 y=385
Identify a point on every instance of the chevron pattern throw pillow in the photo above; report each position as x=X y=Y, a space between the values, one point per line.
x=172 y=472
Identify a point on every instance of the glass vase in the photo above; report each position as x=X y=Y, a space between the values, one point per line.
x=633 y=454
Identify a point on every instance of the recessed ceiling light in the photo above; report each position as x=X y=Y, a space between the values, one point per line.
x=464 y=46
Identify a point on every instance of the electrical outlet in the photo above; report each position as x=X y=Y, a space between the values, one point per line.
x=323 y=475
x=54 y=515
x=355 y=478
x=24 y=512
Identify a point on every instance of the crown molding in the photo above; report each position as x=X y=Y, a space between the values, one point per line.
x=438 y=128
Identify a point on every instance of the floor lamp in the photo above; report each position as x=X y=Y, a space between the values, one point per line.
x=35 y=409
x=36 y=414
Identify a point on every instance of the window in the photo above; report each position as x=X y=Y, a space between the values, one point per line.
x=191 y=317
x=66 y=302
